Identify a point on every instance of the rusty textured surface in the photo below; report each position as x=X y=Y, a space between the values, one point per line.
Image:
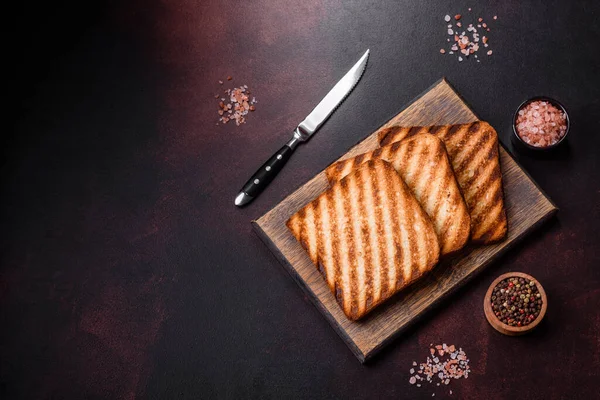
x=125 y=270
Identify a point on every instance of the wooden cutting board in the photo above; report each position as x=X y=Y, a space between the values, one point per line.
x=526 y=207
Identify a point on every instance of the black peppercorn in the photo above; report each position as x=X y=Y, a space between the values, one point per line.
x=516 y=301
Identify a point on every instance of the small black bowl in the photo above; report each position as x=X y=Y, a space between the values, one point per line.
x=525 y=145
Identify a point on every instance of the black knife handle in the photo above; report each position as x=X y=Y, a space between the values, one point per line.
x=265 y=174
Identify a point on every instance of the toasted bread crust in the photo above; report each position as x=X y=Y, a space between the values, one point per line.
x=423 y=164
x=369 y=235
x=473 y=152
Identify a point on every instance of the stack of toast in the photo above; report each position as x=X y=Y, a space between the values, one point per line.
x=390 y=214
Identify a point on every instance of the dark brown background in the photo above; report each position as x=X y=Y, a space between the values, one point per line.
x=126 y=271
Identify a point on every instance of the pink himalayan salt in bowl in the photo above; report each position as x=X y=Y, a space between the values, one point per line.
x=541 y=123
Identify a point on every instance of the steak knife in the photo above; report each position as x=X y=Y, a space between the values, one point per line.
x=265 y=174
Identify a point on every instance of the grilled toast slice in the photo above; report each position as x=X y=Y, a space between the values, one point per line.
x=473 y=152
x=368 y=236
x=423 y=164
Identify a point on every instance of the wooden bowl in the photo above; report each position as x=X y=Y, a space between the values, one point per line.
x=502 y=327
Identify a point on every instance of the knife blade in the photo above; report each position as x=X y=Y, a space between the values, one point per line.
x=305 y=129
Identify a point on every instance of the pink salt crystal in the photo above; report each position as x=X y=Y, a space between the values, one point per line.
x=541 y=124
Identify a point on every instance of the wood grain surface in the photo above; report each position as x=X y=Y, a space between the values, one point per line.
x=526 y=207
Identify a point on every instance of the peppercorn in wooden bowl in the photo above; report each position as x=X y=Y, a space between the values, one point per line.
x=515 y=303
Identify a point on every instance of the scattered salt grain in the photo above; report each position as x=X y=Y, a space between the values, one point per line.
x=440 y=370
x=466 y=43
x=238 y=105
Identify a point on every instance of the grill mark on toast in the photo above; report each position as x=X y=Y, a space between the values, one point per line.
x=488 y=196
x=447 y=184
x=453 y=130
x=382 y=134
x=490 y=176
x=437 y=176
x=435 y=129
x=440 y=131
x=402 y=255
x=356 y=199
x=387 y=172
x=475 y=146
x=387 y=133
x=394 y=146
x=397 y=229
x=395 y=135
x=373 y=233
x=455 y=143
x=460 y=217
x=339 y=166
x=497 y=232
x=309 y=229
x=472 y=180
x=413 y=131
x=350 y=245
x=385 y=139
x=341 y=261
x=413 y=243
x=418 y=181
x=493 y=213
x=377 y=153
x=432 y=200
x=385 y=153
x=349 y=164
x=406 y=154
x=474 y=126
x=377 y=200
x=331 y=249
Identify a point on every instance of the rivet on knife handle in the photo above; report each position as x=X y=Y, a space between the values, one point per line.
x=265 y=174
